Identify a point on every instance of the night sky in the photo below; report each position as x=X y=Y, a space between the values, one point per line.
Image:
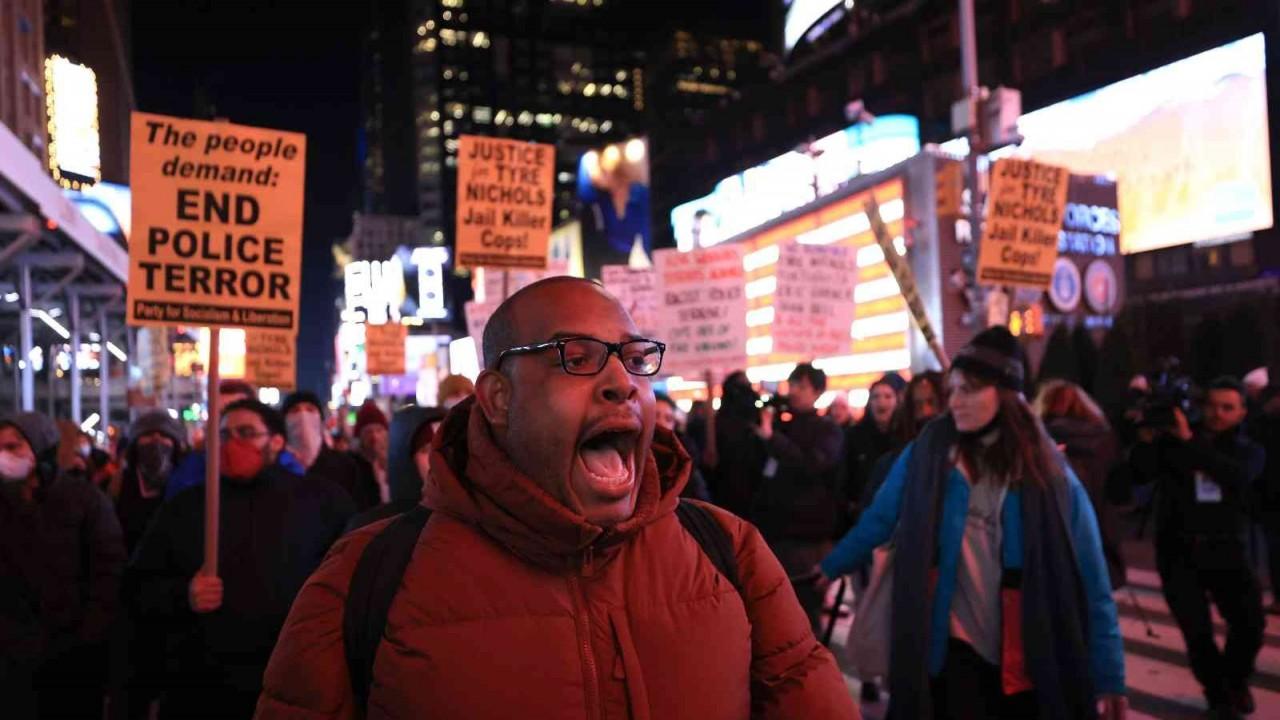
x=283 y=64
x=295 y=65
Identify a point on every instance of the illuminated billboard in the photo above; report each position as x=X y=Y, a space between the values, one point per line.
x=801 y=15
x=1187 y=143
x=71 y=97
x=791 y=181
x=613 y=189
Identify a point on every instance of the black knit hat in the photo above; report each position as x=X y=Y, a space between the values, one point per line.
x=302 y=397
x=995 y=355
x=162 y=422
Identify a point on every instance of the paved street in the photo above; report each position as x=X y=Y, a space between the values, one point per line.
x=1159 y=677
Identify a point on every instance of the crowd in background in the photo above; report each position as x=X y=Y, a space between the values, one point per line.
x=104 y=608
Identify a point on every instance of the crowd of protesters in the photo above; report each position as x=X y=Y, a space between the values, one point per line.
x=561 y=464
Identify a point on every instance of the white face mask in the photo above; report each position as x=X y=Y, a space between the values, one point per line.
x=306 y=433
x=14 y=468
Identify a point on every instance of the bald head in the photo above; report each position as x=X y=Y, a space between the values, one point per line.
x=532 y=313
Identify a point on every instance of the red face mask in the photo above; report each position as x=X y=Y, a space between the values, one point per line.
x=241 y=459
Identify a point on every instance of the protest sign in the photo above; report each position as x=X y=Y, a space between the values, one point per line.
x=384 y=348
x=637 y=290
x=217 y=224
x=477 y=316
x=1019 y=243
x=504 y=202
x=270 y=359
x=702 y=309
x=813 y=305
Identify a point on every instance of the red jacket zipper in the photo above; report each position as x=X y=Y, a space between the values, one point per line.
x=584 y=631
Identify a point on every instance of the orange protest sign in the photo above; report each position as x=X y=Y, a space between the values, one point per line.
x=1019 y=244
x=270 y=359
x=384 y=348
x=217 y=224
x=504 y=202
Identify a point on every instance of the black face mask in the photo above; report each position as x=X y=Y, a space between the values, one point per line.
x=155 y=461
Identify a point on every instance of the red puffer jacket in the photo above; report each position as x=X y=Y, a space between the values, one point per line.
x=515 y=607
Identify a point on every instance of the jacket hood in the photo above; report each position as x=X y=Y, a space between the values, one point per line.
x=475 y=481
x=402 y=472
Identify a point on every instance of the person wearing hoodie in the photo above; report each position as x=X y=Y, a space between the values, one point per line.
x=412 y=430
x=304 y=416
x=61 y=557
x=274 y=529
x=157 y=444
x=1001 y=607
x=1080 y=428
x=554 y=578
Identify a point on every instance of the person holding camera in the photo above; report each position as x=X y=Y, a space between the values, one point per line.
x=1204 y=480
x=798 y=506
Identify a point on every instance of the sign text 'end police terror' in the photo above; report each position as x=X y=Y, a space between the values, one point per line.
x=242 y=249
x=217 y=217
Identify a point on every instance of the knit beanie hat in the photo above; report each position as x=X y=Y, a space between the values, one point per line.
x=368 y=415
x=302 y=397
x=162 y=422
x=994 y=355
x=40 y=431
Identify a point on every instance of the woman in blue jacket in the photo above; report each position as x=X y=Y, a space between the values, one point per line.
x=1002 y=606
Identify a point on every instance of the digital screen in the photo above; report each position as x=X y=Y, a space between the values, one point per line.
x=802 y=15
x=1187 y=143
x=72 y=98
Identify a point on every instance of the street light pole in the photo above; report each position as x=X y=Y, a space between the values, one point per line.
x=977 y=145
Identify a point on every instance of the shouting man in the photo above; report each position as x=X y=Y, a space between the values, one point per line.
x=558 y=575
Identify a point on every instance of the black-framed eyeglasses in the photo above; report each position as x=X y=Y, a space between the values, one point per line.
x=588 y=356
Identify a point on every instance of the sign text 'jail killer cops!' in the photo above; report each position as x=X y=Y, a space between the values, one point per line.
x=217 y=218
x=504 y=202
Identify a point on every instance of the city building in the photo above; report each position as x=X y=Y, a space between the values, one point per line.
x=22 y=72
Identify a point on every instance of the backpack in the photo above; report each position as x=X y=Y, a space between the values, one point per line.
x=382 y=565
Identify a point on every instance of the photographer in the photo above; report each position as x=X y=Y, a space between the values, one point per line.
x=1203 y=482
x=798 y=505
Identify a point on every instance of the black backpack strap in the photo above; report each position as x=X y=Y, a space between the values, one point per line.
x=373 y=587
x=712 y=538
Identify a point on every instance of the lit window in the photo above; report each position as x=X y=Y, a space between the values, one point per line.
x=422 y=30
x=606 y=126
x=448 y=127
x=451 y=161
x=447 y=15
x=565 y=177
x=620 y=91
x=447 y=74
x=435 y=116
x=500 y=118
x=606 y=90
x=589 y=89
x=480 y=39
x=620 y=75
x=526 y=118
x=482 y=114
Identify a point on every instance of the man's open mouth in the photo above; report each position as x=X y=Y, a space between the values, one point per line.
x=608 y=456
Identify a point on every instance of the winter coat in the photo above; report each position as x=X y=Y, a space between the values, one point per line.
x=1231 y=461
x=1265 y=430
x=403 y=479
x=877 y=525
x=274 y=531
x=864 y=444
x=343 y=470
x=133 y=510
x=735 y=480
x=61 y=558
x=801 y=498
x=1093 y=451
x=514 y=606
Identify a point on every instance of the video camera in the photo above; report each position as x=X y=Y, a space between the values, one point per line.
x=1171 y=389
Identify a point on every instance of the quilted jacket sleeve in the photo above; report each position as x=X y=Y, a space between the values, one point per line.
x=307 y=677
x=792 y=674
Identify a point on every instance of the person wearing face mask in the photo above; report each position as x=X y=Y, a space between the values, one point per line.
x=555 y=576
x=61 y=557
x=157 y=444
x=304 y=417
x=274 y=529
x=408 y=463
x=1002 y=606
